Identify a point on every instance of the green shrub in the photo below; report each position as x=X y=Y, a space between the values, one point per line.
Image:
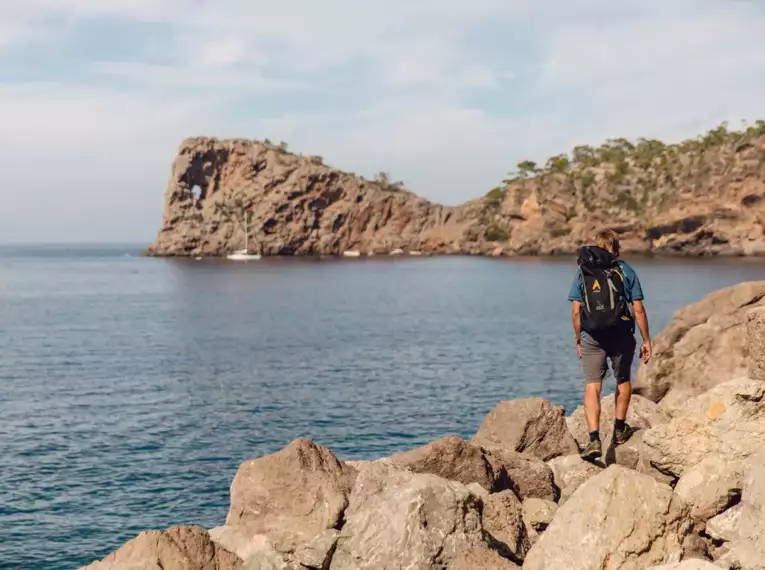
x=560 y=232
x=494 y=198
x=496 y=233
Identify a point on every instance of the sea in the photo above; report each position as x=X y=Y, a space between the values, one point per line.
x=132 y=388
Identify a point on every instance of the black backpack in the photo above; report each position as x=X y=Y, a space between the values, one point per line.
x=605 y=308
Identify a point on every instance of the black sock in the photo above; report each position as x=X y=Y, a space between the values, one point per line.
x=595 y=435
x=619 y=425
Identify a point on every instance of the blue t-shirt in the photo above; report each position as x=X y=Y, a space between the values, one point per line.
x=632 y=289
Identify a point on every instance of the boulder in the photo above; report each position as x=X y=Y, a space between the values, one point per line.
x=177 y=548
x=481 y=559
x=291 y=496
x=755 y=344
x=711 y=487
x=618 y=519
x=690 y=564
x=703 y=345
x=455 y=459
x=240 y=541
x=729 y=421
x=531 y=426
x=538 y=513
x=642 y=414
x=570 y=473
x=529 y=477
x=503 y=520
x=317 y=552
x=399 y=519
x=748 y=550
x=724 y=527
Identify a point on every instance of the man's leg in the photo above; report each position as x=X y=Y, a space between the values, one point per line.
x=595 y=368
x=592 y=405
x=621 y=361
x=623 y=396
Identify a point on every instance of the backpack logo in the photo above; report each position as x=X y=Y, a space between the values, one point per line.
x=596 y=286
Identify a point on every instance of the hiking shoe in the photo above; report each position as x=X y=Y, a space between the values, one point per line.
x=592 y=451
x=621 y=436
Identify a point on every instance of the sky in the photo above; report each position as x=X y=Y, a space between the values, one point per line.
x=446 y=95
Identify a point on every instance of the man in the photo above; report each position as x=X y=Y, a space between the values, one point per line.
x=606 y=302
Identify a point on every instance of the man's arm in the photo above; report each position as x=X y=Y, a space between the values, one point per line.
x=641 y=318
x=576 y=322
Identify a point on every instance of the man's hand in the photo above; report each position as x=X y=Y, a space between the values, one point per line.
x=646 y=351
x=579 y=350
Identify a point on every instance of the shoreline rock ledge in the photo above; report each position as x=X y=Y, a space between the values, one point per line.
x=687 y=492
x=297 y=206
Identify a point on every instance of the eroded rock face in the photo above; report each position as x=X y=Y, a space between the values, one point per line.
x=618 y=519
x=570 y=473
x=691 y=564
x=455 y=459
x=749 y=548
x=728 y=421
x=177 y=548
x=724 y=527
x=538 y=513
x=290 y=496
x=399 y=519
x=711 y=487
x=704 y=344
x=503 y=520
x=300 y=206
x=531 y=426
x=530 y=477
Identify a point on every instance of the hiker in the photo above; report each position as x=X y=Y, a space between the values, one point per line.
x=606 y=302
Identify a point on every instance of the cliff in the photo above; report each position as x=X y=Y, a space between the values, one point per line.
x=699 y=197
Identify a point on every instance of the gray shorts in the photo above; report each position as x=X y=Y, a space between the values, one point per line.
x=620 y=350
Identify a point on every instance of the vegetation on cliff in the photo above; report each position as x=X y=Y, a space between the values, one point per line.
x=701 y=196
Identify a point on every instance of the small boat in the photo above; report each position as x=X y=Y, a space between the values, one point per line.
x=351 y=254
x=397 y=252
x=244 y=254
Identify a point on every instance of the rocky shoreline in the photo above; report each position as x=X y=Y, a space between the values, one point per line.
x=704 y=197
x=686 y=492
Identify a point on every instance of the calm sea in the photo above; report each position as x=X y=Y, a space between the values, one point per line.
x=131 y=388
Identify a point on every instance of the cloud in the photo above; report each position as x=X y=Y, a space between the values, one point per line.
x=447 y=95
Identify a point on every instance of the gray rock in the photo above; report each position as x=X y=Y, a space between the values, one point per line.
x=728 y=421
x=618 y=519
x=398 y=519
x=455 y=459
x=755 y=344
x=529 y=477
x=711 y=487
x=570 y=473
x=749 y=550
x=291 y=496
x=691 y=564
x=177 y=548
x=503 y=519
x=531 y=426
x=538 y=513
x=704 y=345
x=724 y=527
x=317 y=552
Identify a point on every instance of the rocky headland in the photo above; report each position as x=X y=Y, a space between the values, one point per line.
x=686 y=492
x=704 y=196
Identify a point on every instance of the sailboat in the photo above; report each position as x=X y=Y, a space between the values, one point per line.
x=244 y=254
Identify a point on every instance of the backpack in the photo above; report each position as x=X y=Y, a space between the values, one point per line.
x=605 y=308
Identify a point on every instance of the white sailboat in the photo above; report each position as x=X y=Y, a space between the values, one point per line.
x=244 y=254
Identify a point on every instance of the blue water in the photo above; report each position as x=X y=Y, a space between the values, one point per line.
x=132 y=388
